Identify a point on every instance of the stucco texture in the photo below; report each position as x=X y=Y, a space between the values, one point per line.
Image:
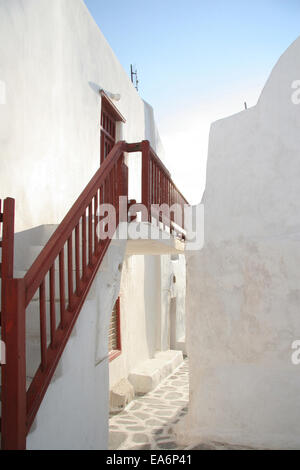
x=244 y=286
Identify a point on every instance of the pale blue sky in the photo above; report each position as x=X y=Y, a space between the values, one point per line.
x=198 y=61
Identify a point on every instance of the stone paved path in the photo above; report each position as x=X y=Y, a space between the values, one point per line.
x=148 y=421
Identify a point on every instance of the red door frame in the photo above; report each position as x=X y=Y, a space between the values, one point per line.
x=117 y=352
x=110 y=115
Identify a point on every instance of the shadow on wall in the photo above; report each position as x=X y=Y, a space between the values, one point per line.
x=96 y=88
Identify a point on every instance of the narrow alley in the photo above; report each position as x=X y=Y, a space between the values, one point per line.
x=149 y=421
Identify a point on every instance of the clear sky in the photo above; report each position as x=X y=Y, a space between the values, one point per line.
x=197 y=61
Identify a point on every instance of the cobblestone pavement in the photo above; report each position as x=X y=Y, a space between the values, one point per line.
x=148 y=421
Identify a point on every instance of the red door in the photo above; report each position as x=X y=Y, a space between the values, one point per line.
x=110 y=115
x=108 y=132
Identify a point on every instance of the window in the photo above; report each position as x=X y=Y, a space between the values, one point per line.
x=109 y=118
x=114 y=332
x=108 y=133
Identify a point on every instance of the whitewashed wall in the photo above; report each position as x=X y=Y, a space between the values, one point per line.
x=147 y=288
x=140 y=308
x=178 y=293
x=171 y=316
x=53 y=61
x=244 y=287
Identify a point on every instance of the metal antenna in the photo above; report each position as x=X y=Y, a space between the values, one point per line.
x=134 y=77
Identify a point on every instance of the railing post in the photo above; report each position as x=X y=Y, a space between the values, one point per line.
x=7 y=268
x=13 y=377
x=13 y=420
x=122 y=184
x=145 y=147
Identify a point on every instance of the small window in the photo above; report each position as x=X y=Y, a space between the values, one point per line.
x=114 y=333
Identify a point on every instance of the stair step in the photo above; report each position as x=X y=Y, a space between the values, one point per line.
x=33 y=252
x=21 y=274
x=32 y=247
x=150 y=373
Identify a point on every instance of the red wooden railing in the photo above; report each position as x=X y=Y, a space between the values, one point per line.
x=75 y=249
x=13 y=372
x=158 y=189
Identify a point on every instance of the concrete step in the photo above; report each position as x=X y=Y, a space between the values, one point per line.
x=120 y=396
x=27 y=252
x=29 y=243
x=35 y=236
x=21 y=274
x=150 y=373
x=33 y=252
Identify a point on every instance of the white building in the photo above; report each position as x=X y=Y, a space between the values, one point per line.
x=243 y=287
x=60 y=85
x=64 y=103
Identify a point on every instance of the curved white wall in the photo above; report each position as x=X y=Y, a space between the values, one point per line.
x=244 y=287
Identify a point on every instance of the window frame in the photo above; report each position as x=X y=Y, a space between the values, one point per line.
x=110 y=116
x=114 y=353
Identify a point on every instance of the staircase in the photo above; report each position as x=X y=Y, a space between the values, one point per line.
x=54 y=273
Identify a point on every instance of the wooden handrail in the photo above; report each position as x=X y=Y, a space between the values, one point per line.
x=158 y=188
